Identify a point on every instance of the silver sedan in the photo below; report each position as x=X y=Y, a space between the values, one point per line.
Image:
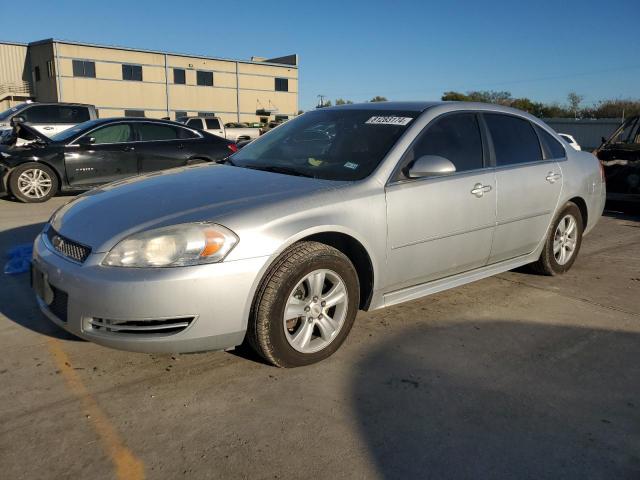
x=341 y=209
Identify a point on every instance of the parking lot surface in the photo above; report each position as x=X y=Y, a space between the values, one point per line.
x=515 y=376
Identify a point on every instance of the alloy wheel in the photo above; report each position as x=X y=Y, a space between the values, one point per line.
x=34 y=183
x=315 y=312
x=565 y=239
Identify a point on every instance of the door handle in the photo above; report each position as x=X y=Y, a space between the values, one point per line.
x=552 y=177
x=129 y=149
x=479 y=190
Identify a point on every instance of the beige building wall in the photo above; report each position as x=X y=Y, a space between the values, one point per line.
x=15 y=75
x=239 y=88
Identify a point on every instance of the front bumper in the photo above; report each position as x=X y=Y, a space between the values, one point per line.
x=98 y=301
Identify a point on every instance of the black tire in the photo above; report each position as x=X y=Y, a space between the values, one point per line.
x=266 y=333
x=547 y=263
x=14 y=181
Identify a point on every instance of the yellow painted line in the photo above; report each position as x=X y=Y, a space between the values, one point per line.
x=128 y=467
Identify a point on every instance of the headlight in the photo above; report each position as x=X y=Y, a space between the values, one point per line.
x=175 y=246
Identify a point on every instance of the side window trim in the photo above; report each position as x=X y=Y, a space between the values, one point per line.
x=396 y=175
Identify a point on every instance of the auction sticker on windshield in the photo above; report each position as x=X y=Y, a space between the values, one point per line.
x=388 y=120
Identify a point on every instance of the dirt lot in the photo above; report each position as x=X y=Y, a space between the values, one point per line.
x=516 y=376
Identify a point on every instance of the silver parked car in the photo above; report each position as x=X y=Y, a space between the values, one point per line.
x=346 y=208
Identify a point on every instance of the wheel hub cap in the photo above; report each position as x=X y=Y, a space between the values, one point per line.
x=34 y=183
x=565 y=239
x=315 y=311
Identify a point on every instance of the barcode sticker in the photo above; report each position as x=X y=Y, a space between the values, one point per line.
x=388 y=120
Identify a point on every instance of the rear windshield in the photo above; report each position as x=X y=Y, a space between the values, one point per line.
x=341 y=144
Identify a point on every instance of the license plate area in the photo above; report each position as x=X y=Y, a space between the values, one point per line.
x=40 y=285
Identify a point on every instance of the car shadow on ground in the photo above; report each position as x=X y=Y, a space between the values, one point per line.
x=17 y=301
x=501 y=400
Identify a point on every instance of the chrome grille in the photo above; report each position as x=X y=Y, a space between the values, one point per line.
x=66 y=247
x=167 y=326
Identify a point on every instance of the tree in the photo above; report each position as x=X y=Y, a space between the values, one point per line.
x=574 y=102
x=452 y=96
x=378 y=98
x=340 y=101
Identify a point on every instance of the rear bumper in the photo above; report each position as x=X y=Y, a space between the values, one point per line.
x=214 y=300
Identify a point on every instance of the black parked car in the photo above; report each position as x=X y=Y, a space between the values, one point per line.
x=620 y=158
x=100 y=151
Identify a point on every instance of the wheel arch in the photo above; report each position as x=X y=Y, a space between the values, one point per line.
x=584 y=211
x=344 y=241
x=36 y=162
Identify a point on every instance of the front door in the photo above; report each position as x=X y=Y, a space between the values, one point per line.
x=111 y=156
x=528 y=184
x=442 y=225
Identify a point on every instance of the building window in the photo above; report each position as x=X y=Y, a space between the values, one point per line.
x=206 y=114
x=36 y=73
x=50 y=69
x=179 y=76
x=204 y=78
x=134 y=113
x=281 y=118
x=282 y=84
x=132 y=72
x=83 y=68
x=181 y=114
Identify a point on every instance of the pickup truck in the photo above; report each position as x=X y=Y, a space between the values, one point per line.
x=214 y=125
x=47 y=118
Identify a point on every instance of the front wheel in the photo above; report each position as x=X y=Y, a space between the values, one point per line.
x=305 y=307
x=563 y=242
x=33 y=183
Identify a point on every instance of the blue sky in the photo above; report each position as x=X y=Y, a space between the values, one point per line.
x=358 y=49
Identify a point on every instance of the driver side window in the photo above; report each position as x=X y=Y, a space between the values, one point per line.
x=455 y=137
x=119 y=133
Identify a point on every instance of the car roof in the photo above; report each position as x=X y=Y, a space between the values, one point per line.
x=102 y=121
x=378 y=106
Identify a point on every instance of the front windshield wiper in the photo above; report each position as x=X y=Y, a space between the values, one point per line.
x=277 y=169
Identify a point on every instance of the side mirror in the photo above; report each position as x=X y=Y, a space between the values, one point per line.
x=429 y=166
x=84 y=141
x=16 y=120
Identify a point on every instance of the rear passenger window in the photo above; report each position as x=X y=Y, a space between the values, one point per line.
x=552 y=148
x=183 y=133
x=514 y=140
x=455 y=137
x=212 y=123
x=150 y=131
x=195 y=123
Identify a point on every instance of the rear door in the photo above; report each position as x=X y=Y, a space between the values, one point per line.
x=438 y=226
x=161 y=146
x=112 y=156
x=528 y=184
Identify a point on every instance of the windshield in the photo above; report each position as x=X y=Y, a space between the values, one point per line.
x=72 y=132
x=4 y=116
x=328 y=144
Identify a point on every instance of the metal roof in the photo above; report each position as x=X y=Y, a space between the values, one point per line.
x=159 y=52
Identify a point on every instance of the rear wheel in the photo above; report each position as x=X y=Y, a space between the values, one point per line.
x=563 y=242
x=305 y=307
x=33 y=183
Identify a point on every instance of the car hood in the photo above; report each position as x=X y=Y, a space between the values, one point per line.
x=103 y=216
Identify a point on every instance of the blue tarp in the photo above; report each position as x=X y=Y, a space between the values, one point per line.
x=19 y=259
